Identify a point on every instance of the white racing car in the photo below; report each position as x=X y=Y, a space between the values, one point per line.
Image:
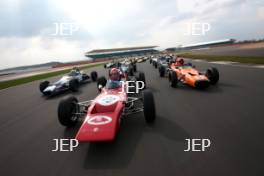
x=71 y=81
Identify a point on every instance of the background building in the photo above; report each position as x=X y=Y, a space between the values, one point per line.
x=121 y=52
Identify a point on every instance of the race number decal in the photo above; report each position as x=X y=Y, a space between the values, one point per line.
x=99 y=120
x=108 y=100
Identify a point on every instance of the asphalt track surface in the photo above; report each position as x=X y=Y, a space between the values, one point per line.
x=229 y=114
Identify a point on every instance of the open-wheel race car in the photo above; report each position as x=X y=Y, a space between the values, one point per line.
x=188 y=74
x=163 y=64
x=128 y=66
x=102 y=116
x=71 y=81
x=128 y=69
x=110 y=64
x=154 y=62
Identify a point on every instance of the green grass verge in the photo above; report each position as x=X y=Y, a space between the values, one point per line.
x=241 y=59
x=19 y=81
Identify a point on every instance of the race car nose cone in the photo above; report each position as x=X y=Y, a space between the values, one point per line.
x=97 y=128
x=87 y=134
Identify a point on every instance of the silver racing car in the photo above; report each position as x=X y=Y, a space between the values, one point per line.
x=71 y=81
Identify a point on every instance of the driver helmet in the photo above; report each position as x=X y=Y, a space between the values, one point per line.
x=73 y=73
x=115 y=74
x=180 y=61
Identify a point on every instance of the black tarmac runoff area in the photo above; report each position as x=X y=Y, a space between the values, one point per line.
x=229 y=114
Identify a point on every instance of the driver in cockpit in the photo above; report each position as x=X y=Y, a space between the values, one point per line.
x=114 y=81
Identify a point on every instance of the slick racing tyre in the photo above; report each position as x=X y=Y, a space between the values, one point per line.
x=149 y=106
x=73 y=85
x=173 y=78
x=43 y=85
x=162 y=71
x=213 y=75
x=134 y=67
x=155 y=64
x=94 y=75
x=130 y=71
x=67 y=110
x=101 y=82
x=141 y=77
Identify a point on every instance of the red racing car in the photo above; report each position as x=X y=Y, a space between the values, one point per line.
x=102 y=116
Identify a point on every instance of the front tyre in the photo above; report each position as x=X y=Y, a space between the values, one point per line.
x=43 y=85
x=173 y=78
x=94 y=76
x=67 y=110
x=162 y=71
x=149 y=106
x=213 y=75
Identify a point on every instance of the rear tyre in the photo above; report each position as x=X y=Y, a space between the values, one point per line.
x=173 y=78
x=162 y=71
x=155 y=64
x=130 y=71
x=66 y=111
x=43 y=85
x=101 y=82
x=94 y=75
x=73 y=85
x=134 y=67
x=141 y=77
x=149 y=106
x=213 y=75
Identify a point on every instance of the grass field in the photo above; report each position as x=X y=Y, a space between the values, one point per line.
x=19 y=81
x=240 y=59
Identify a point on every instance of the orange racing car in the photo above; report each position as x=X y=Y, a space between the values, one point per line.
x=178 y=71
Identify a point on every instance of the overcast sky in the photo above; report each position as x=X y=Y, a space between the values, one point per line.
x=27 y=32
